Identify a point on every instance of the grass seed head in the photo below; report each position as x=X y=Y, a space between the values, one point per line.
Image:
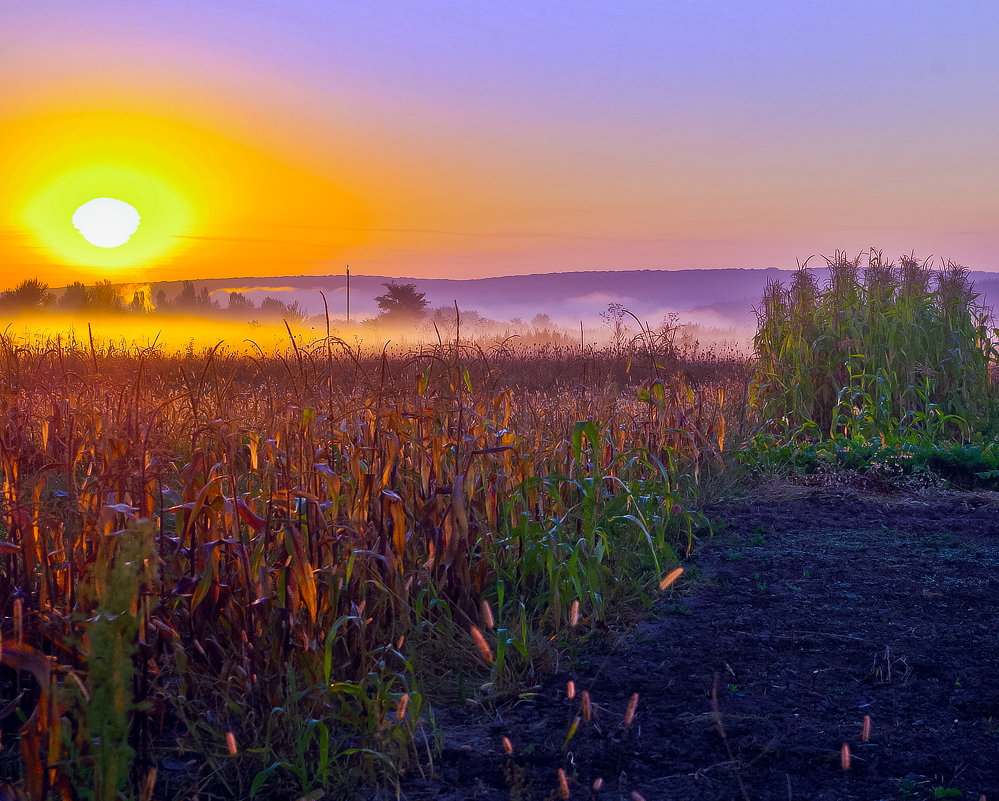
x=574 y=614
x=400 y=712
x=230 y=743
x=844 y=756
x=672 y=576
x=865 y=730
x=487 y=615
x=629 y=714
x=587 y=707
x=480 y=642
x=563 y=785
x=570 y=689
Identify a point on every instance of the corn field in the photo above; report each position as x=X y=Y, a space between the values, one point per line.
x=887 y=351
x=249 y=574
x=245 y=572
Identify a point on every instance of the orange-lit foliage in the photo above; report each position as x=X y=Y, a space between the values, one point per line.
x=314 y=509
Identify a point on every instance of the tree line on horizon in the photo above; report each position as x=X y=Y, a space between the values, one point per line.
x=401 y=306
x=105 y=297
x=401 y=303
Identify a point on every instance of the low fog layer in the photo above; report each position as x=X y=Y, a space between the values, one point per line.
x=699 y=308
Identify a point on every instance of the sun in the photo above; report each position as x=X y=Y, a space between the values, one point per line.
x=106 y=222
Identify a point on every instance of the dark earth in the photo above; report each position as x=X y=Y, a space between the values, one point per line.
x=813 y=606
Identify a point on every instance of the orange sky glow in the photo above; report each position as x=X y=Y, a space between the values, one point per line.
x=486 y=142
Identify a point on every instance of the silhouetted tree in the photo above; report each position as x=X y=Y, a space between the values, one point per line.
x=104 y=297
x=188 y=297
x=401 y=303
x=277 y=309
x=541 y=322
x=205 y=301
x=240 y=304
x=447 y=319
x=74 y=298
x=31 y=294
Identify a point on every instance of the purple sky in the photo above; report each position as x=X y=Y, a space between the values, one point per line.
x=483 y=138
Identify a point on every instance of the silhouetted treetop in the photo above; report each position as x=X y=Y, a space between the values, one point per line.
x=401 y=303
x=29 y=294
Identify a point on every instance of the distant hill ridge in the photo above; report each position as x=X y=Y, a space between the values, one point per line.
x=724 y=297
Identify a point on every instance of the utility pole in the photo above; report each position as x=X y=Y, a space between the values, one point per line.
x=348 y=294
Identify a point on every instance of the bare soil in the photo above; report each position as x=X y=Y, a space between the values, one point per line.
x=813 y=607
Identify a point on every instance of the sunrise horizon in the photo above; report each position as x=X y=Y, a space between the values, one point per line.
x=460 y=144
x=470 y=400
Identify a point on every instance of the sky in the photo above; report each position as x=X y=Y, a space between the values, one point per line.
x=467 y=139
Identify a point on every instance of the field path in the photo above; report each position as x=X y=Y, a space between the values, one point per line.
x=813 y=607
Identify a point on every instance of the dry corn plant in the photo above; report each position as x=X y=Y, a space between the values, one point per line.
x=324 y=525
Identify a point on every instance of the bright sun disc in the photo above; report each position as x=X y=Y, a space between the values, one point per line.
x=106 y=222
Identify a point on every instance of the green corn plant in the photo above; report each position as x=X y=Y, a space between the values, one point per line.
x=881 y=352
x=104 y=716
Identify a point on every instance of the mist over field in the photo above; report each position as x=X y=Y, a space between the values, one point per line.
x=723 y=298
x=700 y=310
x=708 y=308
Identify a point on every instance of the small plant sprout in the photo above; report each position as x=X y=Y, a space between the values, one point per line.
x=844 y=756
x=563 y=784
x=570 y=689
x=672 y=576
x=487 y=615
x=573 y=728
x=574 y=614
x=629 y=713
x=480 y=641
x=865 y=729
